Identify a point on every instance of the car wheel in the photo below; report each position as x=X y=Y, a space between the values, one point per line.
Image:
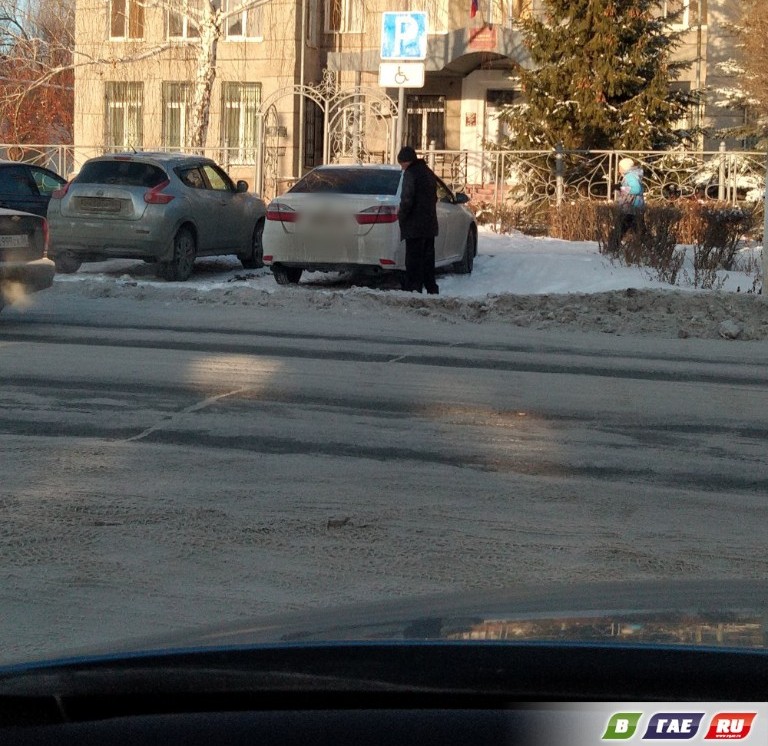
x=255 y=259
x=286 y=275
x=467 y=262
x=184 y=253
x=66 y=264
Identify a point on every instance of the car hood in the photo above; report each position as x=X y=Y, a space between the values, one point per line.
x=721 y=613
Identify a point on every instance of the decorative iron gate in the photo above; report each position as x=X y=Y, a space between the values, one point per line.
x=358 y=126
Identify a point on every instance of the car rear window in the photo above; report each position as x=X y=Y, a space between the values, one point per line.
x=124 y=173
x=349 y=181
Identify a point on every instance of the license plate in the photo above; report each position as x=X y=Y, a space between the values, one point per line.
x=99 y=204
x=14 y=242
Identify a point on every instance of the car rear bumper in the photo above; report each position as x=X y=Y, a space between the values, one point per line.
x=89 y=242
x=30 y=276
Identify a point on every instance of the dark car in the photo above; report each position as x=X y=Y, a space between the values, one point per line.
x=167 y=208
x=24 y=267
x=26 y=187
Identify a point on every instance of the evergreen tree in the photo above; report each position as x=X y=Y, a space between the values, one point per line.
x=600 y=78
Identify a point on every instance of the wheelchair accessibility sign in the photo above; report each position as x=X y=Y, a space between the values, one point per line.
x=404 y=35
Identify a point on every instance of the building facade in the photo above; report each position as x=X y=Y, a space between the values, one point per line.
x=137 y=62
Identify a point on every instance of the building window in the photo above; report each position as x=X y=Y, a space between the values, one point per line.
x=126 y=19
x=684 y=13
x=496 y=101
x=124 y=114
x=183 y=19
x=177 y=107
x=313 y=134
x=242 y=23
x=343 y=16
x=240 y=103
x=426 y=121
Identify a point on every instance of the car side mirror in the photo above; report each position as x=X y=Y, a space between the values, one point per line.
x=241 y=186
x=461 y=198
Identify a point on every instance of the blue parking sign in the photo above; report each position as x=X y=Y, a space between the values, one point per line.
x=404 y=35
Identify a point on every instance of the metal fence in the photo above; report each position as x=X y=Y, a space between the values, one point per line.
x=525 y=177
x=504 y=177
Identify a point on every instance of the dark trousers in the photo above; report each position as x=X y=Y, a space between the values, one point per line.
x=420 y=265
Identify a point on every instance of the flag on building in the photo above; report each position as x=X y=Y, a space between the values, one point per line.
x=473 y=8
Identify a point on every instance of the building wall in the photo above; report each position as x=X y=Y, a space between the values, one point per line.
x=271 y=62
x=467 y=58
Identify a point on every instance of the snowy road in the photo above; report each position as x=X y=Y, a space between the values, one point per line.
x=165 y=466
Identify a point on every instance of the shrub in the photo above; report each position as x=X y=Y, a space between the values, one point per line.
x=526 y=218
x=653 y=243
x=575 y=221
x=659 y=240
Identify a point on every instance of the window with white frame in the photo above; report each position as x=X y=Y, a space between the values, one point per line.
x=177 y=107
x=183 y=19
x=239 y=106
x=124 y=114
x=684 y=13
x=126 y=19
x=344 y=16
x=241 y=21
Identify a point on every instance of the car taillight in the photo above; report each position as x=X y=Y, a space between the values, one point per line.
x=283 y=213
x=61 y=191
x=378 y=214
x=45 y=237
x=155 y=195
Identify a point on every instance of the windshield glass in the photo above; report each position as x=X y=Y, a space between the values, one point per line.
x=349 y=181
x=325 y=335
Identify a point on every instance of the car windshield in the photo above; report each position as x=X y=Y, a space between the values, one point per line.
x=122 y=172
x=487 y=316
x=360 y=181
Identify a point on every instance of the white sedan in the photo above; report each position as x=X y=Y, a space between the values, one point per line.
x=338 y=218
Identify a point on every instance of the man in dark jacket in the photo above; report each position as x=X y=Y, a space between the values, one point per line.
x=418 y=221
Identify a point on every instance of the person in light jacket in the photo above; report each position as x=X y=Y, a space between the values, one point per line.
x=631 y=199
x=417 y=217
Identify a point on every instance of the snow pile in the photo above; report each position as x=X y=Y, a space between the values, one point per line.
x=526 y=281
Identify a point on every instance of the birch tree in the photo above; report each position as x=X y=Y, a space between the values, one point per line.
x=38 y=53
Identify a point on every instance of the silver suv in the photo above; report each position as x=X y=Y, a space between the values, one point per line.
x=167 y=208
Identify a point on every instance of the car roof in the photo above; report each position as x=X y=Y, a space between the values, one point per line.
x=5 y=211
x=9 y=162
x=149 y=156
x=359 y=167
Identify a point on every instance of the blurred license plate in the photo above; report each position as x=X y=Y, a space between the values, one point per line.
x=14 y=242
x=99 y=204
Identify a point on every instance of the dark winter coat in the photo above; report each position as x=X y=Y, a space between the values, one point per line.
x=418 y=202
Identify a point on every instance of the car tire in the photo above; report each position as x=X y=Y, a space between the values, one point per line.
x=256 y=258
x=184 y=253
x=67 y=264
x=465 y=265
x=286 y=275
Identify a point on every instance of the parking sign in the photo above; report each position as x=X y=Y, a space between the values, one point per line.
x=404 y=35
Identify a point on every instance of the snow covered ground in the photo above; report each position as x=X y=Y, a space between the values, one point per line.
x=528 y=281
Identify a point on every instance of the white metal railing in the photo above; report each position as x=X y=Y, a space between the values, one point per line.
x=500 y=177
x=553 y=176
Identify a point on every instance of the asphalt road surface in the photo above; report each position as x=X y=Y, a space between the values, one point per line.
x=166 y=466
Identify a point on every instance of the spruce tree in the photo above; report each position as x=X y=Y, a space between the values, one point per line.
x=599 y=78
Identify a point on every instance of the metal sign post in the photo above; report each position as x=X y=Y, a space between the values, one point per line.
x=403 y=49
